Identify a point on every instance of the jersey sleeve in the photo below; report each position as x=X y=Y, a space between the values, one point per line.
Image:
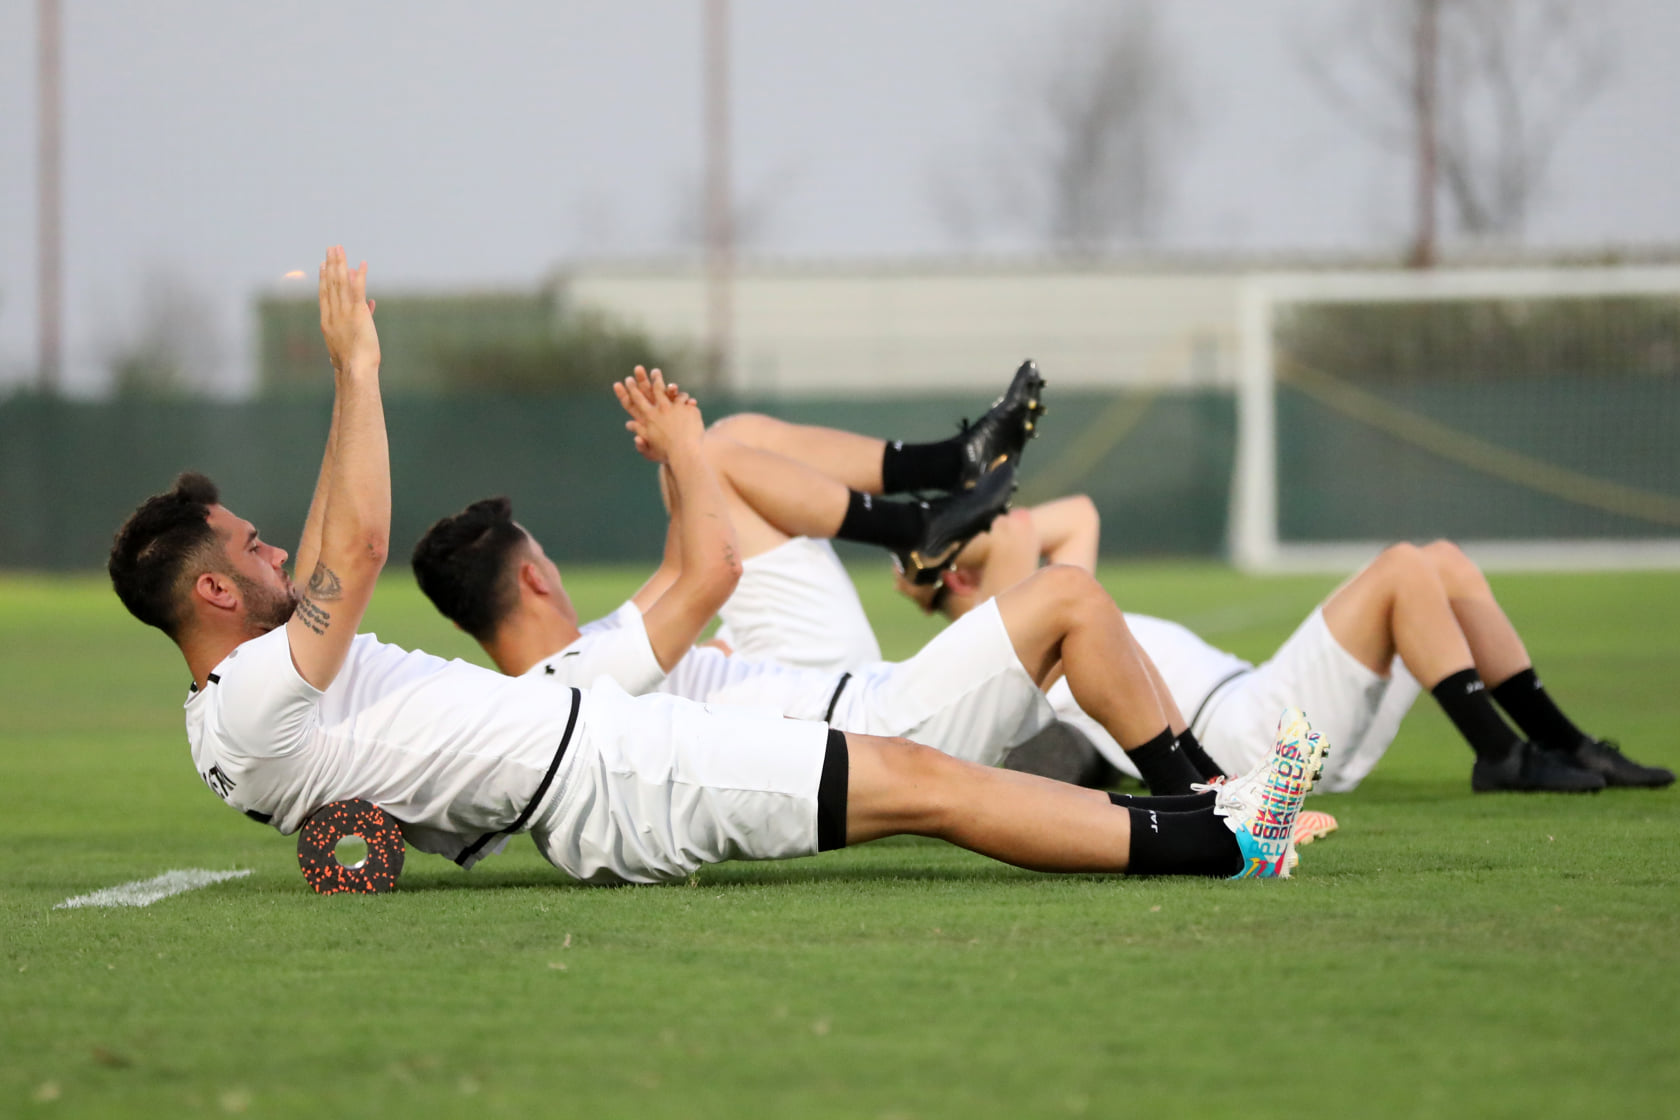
x=265 y=707
x=616 y=647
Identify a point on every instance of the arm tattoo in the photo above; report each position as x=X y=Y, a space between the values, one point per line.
x=313 y=616
x=324 y=586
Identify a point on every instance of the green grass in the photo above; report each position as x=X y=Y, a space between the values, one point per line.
x=1441 y=955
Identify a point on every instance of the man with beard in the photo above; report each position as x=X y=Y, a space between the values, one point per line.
x=291 y=709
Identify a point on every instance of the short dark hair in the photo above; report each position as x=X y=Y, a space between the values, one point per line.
x=462 y=564
x=160 y=550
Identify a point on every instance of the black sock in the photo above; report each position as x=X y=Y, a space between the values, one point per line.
x=1183 y=803
x=1525 y=699
x=869 y=520
x=920 y=466
x=1465 y=700
x=1198 y=757
x=1165 y=769
x=1197 y=843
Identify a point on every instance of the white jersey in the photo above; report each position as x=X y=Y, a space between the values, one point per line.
x=452 y=751
x=796 y=605
x=618 y=647
x=965 y=693
x=1191 y=668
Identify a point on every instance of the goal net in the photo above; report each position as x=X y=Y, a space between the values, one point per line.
x=1533 y=416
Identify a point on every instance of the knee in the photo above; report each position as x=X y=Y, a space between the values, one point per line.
x=1449 y=560
x=742 y=427
x=916 y=782
x=1069 y=596
x=1403 y=562
x=1062 y=591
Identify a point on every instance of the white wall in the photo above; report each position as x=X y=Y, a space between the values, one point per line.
x=810 y=330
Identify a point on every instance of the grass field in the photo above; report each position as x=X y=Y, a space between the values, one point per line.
x=1442 y=955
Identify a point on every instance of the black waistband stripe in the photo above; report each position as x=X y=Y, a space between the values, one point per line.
x=828 y=716
x=1195 y=720
x=542 y=790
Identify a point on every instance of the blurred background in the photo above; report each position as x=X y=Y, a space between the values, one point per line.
x=1302 y=276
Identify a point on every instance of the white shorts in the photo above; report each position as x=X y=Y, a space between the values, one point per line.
x=653 y=788
x=795 y=604
x=1357 y=710
x=965 y=694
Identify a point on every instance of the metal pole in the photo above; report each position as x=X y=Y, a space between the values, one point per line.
x=1424 y=104
x=50 y=245
x=720 y=220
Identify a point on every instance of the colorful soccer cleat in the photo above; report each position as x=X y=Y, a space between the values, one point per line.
x=1313 y=824
x=1261 y=806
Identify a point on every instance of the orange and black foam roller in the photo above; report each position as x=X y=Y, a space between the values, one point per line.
x=333 y=822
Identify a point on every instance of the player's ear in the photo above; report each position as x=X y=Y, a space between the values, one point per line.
x=961 y=581
x=217 y=590
x=532 y=579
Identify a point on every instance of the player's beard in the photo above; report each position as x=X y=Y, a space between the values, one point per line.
x=266 y=608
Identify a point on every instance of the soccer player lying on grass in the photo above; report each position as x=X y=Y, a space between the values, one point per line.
x=291 y=709
x=973 y=692
x=1414 y=614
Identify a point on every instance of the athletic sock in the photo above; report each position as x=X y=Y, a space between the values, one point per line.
x=1165 y=769
x=1526 y=701
x=869 y=520
x=1183 y=803
x=920 y=466
x=1465 y=700
x=1198 y=757
x=1196 y=843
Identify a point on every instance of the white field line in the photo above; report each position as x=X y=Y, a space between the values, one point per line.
x=144 y=892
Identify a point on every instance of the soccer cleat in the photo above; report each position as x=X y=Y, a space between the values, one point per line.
x=1604 y=757
x=952 y=522
x=1529 y=769
x=1313 y=824
x=1000 y=435
x=1261 y=806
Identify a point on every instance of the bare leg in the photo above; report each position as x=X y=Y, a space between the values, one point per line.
x=1399 y=604
x=898 y=787
x=1062 y=614
x=771 y=497
x=852 y=460
x=1499 y=652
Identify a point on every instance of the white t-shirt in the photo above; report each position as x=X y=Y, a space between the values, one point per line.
x=451 y=750
x=795 y=605
x=1190 y=666
x=617 y=646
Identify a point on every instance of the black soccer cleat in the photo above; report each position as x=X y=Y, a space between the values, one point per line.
x=1529 y=769
x=1605 y=758
x=1001 y=434
x=952 y=522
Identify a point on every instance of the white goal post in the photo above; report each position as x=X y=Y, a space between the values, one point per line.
x=1255 y=542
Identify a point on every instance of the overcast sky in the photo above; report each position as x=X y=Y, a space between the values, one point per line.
x=212 y=146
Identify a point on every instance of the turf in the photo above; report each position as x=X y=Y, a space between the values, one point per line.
x=1442 y=954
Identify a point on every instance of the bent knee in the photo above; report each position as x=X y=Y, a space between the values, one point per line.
x=741 y=427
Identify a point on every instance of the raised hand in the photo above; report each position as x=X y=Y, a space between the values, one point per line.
x=347 y=315
x=664 y=420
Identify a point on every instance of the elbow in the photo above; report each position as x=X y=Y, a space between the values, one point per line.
x=372 y=550
x=1085 y=513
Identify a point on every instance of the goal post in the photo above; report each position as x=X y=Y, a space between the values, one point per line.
x=1532 y=415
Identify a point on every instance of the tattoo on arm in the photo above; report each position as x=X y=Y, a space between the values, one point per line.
x=324 y=586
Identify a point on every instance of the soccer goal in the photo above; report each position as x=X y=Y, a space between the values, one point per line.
x=1533 y=416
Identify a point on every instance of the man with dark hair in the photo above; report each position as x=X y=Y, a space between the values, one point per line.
x=166 y=536
x=291 y=709
x=1416 y=618
x=974 y=692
